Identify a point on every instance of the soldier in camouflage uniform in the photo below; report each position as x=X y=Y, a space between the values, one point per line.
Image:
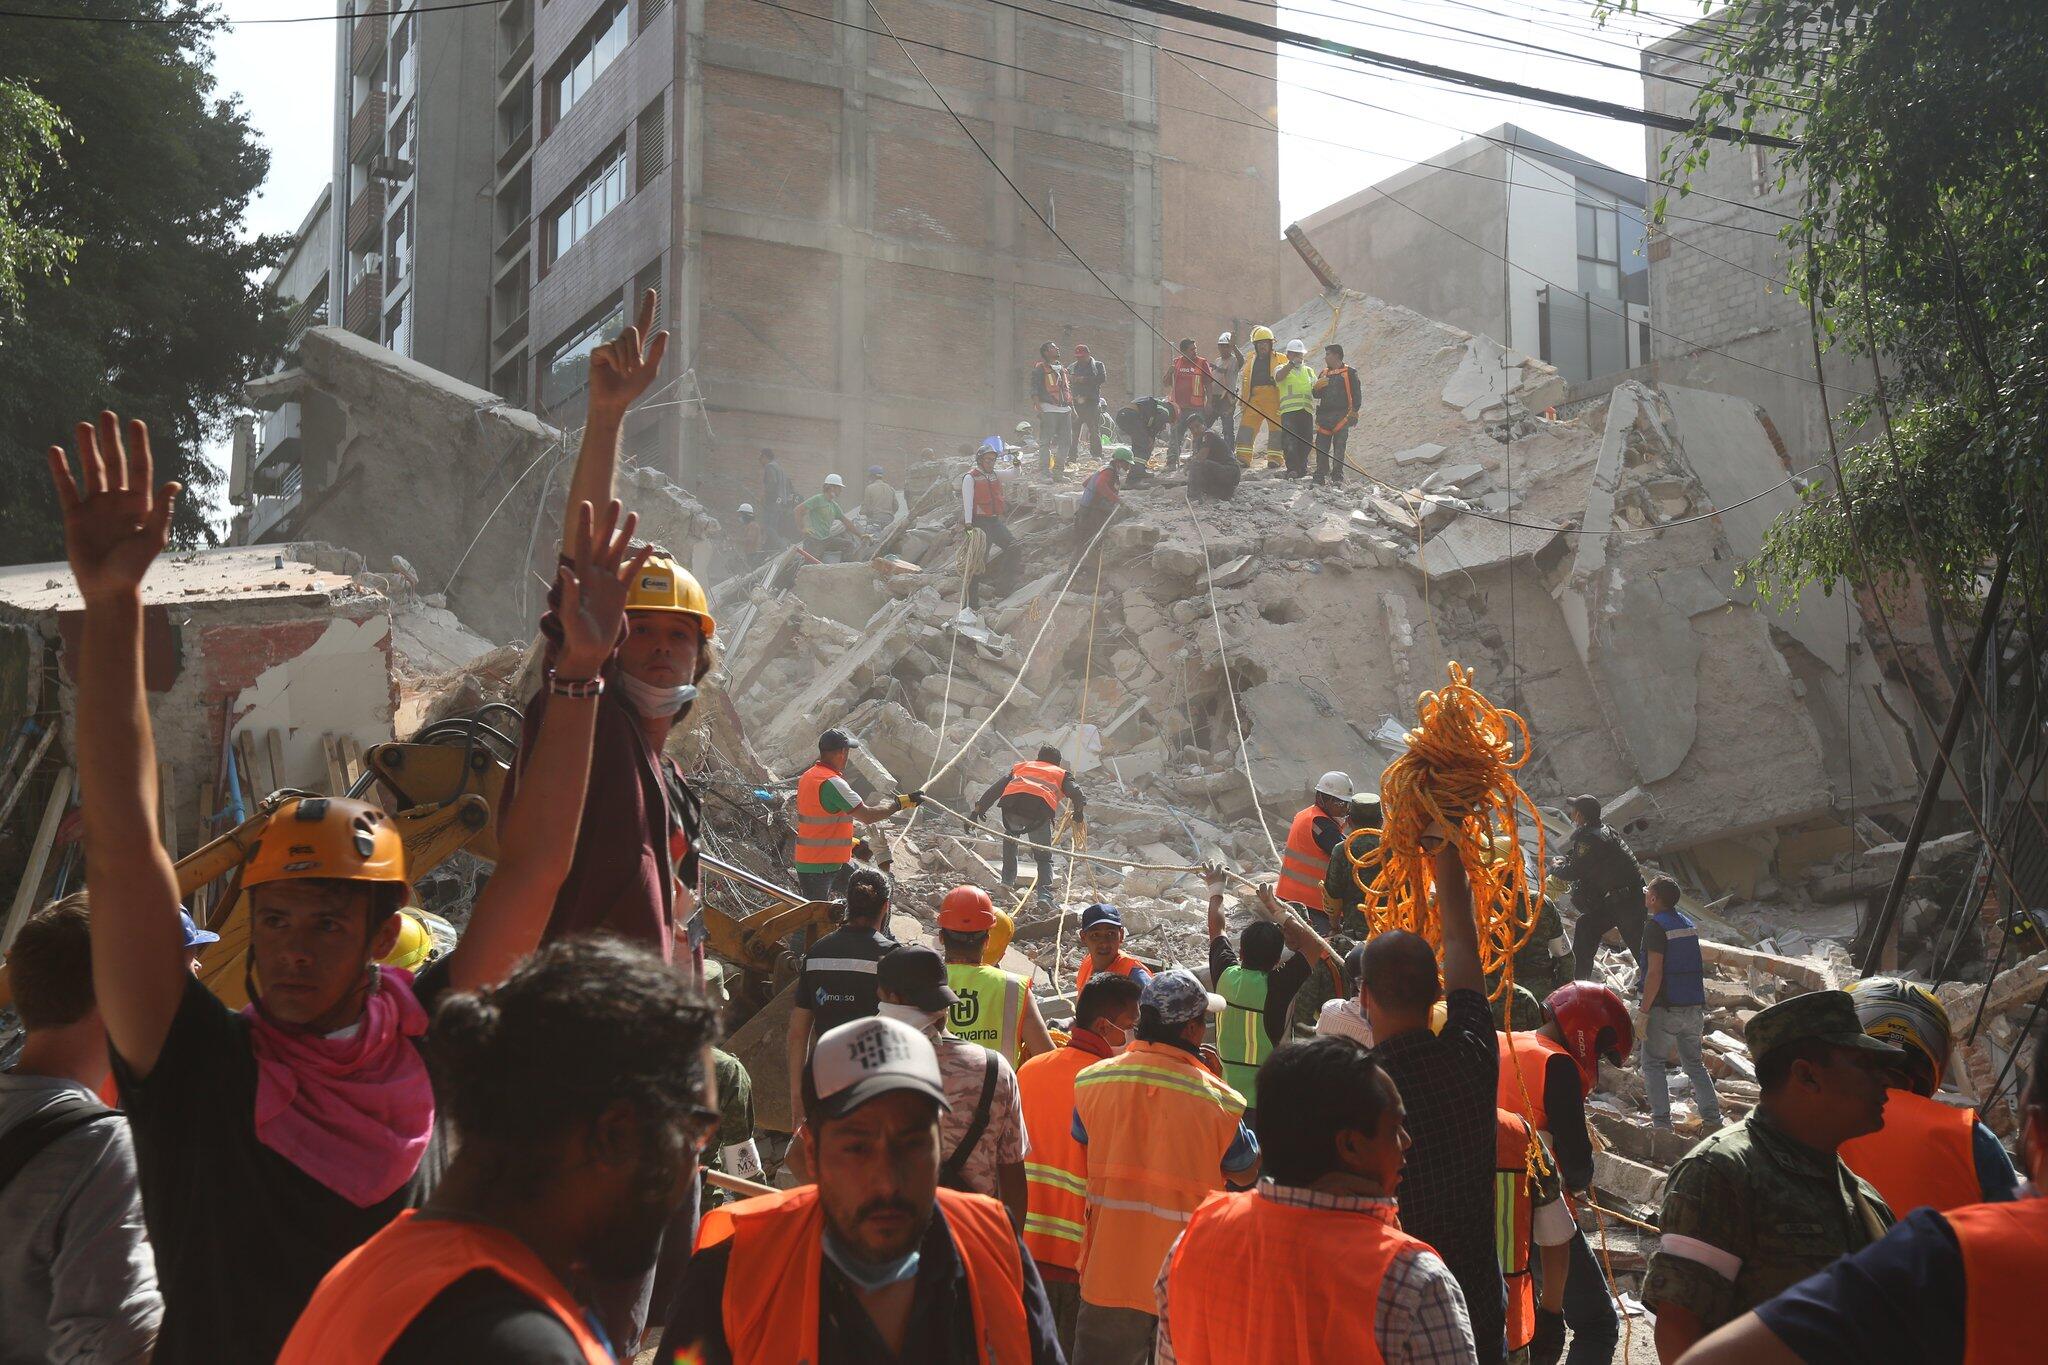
x=1760 y=1205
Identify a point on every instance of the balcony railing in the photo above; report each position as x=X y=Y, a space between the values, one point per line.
x=362 y=313
x=366 y=216
x=366 y=125
x=366 y=37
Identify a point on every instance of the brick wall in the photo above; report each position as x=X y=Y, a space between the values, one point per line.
x=928 y=334
x=769 y=313
x=770 y=145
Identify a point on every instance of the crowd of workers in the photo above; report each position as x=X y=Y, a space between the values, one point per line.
x=1327 y=1150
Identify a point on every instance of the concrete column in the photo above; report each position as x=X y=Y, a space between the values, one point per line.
x=1005 y=386
x=685 y=179
x=854 y=199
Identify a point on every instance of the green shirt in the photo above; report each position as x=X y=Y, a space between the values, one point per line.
x=1748 y=1214
x=819 y=512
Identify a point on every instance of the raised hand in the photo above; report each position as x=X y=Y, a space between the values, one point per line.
x=594 y=586
x=115 y=522
x=620 y=370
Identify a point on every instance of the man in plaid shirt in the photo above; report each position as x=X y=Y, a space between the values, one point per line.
x=1449 y=1080
x=1330 y=1126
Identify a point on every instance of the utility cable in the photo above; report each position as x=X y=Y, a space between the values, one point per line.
x=1244 y=757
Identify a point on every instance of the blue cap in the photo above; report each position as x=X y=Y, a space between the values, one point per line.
x=875 y=471
x=1102 y=912
x=196 y=937
x=1178 y=997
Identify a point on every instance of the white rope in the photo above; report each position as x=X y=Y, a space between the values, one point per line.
x=1244 y=758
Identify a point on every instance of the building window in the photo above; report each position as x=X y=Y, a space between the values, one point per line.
x=565 y=369
x=650 y=139
x=596 y=48
x=403 y=58
x=398 y=328
x=398 y=245
x=402 y=134
x=602 y=189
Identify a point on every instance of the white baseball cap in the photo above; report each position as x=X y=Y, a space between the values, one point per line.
x=865 y=1060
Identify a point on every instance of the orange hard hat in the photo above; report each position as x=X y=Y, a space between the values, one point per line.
x=327 y=837
x=967 y=910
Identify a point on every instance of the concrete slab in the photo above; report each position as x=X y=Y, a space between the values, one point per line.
x=1646 y=663
x=1422 y=454
x=847 y=593
x=1474 y=543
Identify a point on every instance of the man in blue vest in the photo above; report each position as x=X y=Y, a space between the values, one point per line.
x=1674 y=1004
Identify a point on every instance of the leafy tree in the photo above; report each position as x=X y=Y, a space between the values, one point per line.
x=160 y=315
x=29 y=128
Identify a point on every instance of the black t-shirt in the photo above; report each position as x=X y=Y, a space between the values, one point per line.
x=837 y=984
x=484 y=1317
x=242 y=1236
x=1281 y=985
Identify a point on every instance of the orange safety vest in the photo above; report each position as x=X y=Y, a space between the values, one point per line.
x=823 y=840
x=2005 y=1255
x=1303 y=864
x=1042 y=780
x=1531 y=1055
x=778 y=1247
x=1158 y=1125
x=366 y=1303
x=988 y=494
x=1258 y=1281
x=1514 y=1214
x=1055 y=1166
x=1923 y=1157
x=1124 y=965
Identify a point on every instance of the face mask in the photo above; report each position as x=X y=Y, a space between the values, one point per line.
x=1111 y=1034
x=918 y=1019
x=654 y=702
x=867 y=1276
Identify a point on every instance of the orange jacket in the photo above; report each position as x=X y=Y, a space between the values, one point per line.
x=1265 y=1283
x=2005 y=1251
x=1303 y=864
x=778 y=1248
x=1124 y=965
x=1923 y=1156
x=1531 y=1054
x=1514 y=1217
x=823 y=840
x=1034 y=778
x=368 y=1300
x=1056 y=1167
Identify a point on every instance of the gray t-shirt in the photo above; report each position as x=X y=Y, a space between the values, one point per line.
x=77 y=1277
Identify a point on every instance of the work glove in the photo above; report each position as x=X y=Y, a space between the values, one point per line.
x=910 y=799
x=1547 y=1346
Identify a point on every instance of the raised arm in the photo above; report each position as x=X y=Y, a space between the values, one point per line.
x=115 y=525
x=620 y=371
x=1461 y=933
x=538 y=837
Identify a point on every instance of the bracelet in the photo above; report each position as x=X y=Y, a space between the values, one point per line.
x=575 y=689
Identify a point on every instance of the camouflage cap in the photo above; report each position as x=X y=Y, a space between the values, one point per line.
x=1827 y=1015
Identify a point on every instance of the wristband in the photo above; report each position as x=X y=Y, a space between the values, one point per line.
x=575 y=689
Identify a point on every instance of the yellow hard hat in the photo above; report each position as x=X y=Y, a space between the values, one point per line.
x=415 y=944
x=330 y=838
x=1262 y=334
x=664 y=585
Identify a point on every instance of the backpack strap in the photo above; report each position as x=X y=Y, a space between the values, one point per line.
x=949 y=1173
x=27 y=1140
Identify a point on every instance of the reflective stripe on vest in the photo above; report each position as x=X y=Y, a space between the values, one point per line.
x=2005 y=1255
x=366 y=1303
x=1255 y=1280
x=1241 y=1039
x=1527 y=1055
x=1684 y=981
x=1514 y=1213
x=1303 y=864
x=1924 y=1156
x=771 y=1281
x=823 y=840
x=1042 y=780
x=1056 y=1171
x=990 y=1010
x=1158 y=1127
x=1124 y=965
x=988 y=494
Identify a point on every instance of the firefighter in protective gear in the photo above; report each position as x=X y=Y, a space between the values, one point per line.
x=827 y=809
x=1928 y=1154
x=1311 y=838
x=1029 y=797
x=1259 y=394
x=996 y=1008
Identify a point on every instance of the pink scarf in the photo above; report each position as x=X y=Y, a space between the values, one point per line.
x=354 y=1113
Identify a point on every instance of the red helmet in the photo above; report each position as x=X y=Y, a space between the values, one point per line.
x=1595 y=1024
x=967 y=910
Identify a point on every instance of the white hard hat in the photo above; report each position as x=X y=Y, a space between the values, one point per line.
x=1023 y=426
x=746 y=509
x=1333 y=783
x=1297 y=347
x=834 y=481
x=1223 y=340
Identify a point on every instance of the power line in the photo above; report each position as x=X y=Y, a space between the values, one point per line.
x=240 y=23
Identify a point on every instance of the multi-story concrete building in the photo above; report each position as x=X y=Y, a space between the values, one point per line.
x=265 y=475
x=1431 y=238
x=846 y=278
x=413 y=180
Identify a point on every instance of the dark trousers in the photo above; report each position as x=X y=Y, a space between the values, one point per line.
x=1141 y=447
x=1620 y=910
x=1189 y=428
x=1087 y=427
x=1330 y=454
x=1588 y=1312
x=824 y=886
x=1087 y=522
x=1038 y=832
x=1000 y=542
x=1298 y=433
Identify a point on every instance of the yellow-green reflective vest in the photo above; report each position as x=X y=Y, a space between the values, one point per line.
x=990 y=1010
x=1241 y=1033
